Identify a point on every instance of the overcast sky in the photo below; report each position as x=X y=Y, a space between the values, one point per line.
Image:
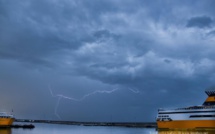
x=104 y=60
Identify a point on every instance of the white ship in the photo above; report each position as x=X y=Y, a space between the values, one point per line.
x=202 y=116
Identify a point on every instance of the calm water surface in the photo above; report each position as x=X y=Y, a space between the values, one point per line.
x=72 y=129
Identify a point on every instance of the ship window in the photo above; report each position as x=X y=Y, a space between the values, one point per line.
x=209 y=103
x=197 y=116
x=163 y=116
x=187 y=112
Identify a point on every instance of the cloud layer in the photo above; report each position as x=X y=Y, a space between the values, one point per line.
x=163 y=49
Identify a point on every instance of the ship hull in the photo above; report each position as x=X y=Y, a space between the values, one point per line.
x=6 y=121
x=186 y=124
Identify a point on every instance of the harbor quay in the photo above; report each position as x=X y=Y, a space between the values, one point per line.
x=123 y=124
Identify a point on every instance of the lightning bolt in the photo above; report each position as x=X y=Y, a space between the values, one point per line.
x=61 y=96
x=56 y=107
x=134 y=90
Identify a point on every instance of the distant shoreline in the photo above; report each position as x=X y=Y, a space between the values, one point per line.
x=122 y=124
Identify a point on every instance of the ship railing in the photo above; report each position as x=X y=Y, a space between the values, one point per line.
x=165 y=109
x=196 y=107
x=188 y=108
x=5 y=114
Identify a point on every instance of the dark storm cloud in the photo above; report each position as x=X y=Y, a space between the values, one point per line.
x=31 y=31
x=201 y=22
x=78 y=47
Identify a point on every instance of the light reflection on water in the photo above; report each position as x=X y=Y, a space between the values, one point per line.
x=5 y=131
x=73 y=129
x=188 y=132
x=68 y=129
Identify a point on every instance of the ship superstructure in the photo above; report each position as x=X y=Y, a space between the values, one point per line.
x=202 y=116
x=6 y=119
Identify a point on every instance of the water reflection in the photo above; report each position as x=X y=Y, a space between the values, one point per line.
x=5 y=131
x=188 y=132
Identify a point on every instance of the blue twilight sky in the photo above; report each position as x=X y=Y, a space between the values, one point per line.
x=104 y=60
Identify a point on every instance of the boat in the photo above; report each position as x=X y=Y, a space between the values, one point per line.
x=6 y=119
x=192 y=117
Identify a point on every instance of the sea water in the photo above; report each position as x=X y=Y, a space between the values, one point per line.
x=41 y=128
